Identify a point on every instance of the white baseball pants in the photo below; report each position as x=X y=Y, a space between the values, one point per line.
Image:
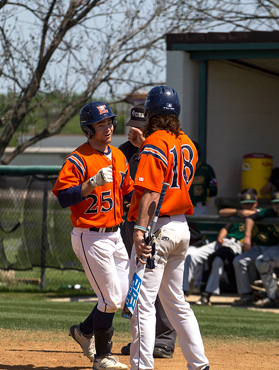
x=166 y=279
x=106 y=265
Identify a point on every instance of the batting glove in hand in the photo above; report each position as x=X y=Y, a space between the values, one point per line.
x=102 y=177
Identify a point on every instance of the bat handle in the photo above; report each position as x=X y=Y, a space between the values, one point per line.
x=159 y=205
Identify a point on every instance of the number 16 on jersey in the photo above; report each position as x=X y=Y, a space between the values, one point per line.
x=134 y=288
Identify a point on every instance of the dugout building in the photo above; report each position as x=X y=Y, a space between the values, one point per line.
x=228 y=85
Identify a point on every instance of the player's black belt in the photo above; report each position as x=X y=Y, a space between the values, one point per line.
x=105 y=229
x=164 y=216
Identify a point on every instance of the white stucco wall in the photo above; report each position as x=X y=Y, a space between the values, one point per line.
x=242 y=118
x=242 y=115
x=183 y=76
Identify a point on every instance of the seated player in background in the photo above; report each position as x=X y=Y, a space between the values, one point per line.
x=228 y=245
x=196 y=257
x=265 y=255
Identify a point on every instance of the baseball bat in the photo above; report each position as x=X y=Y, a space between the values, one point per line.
x=134 y=288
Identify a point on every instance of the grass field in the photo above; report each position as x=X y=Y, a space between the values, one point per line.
x=37 y=311
x=34 y=335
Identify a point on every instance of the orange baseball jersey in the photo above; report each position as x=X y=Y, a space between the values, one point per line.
x=104 y=206
x=165 y=158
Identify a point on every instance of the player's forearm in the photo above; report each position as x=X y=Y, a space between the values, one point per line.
x=249 y=223
x=147 y=207
x=222 y=233
x=228 y=212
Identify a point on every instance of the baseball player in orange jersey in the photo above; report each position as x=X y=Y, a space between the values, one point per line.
x=165 y=333
x=93 y=182
x=166 y=155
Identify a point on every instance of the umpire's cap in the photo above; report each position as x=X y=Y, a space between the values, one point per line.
x=137 y=117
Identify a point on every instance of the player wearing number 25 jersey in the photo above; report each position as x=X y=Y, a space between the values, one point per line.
x=102 y=208
x=93 y=182
x=166 y=155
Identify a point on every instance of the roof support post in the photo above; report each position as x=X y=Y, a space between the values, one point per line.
x=202 y=110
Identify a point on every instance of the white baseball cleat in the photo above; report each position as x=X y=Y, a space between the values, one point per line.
x=86 y=342
x=108 y=362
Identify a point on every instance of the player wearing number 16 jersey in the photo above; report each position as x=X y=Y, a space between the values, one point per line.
x=166 y=155
x=93 y=182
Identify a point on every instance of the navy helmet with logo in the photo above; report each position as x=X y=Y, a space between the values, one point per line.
x=161 y=100
x=94 y=112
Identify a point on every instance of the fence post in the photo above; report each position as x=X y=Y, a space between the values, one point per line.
x=44 y=234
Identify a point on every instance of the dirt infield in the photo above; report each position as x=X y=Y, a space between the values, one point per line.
x=20 y=350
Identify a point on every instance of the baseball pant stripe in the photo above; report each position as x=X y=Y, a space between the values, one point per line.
x=89 y=268
x=106 y=265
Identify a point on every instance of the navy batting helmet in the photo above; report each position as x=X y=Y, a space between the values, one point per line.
x=94 y=112
x=161 y=100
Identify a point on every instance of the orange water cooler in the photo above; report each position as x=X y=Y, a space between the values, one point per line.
x=256 y=171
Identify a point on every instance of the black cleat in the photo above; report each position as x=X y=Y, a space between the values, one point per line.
x=125 y=350
x=163 y=352
x=159 y=351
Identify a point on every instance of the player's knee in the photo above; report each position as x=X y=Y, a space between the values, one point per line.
x=263 y=264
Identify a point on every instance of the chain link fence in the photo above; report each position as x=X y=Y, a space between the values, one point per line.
x=35 y=242
x=35 y=232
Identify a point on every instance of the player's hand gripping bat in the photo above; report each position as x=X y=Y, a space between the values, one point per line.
x=135 y=284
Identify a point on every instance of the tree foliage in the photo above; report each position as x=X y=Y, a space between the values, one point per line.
x=79 y=50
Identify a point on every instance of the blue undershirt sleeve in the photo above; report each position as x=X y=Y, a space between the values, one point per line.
x=70 y=197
